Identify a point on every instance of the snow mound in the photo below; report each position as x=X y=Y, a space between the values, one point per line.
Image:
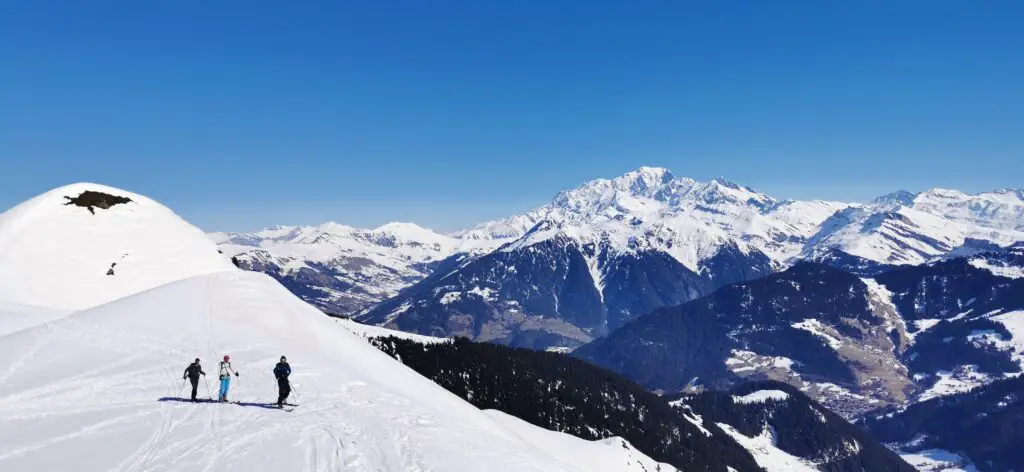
x=101 y=389
x=62 y=255
x=762 y=396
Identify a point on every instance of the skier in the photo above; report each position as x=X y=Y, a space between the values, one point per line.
x=282 y=370
x=225 y=378
x=192 y=372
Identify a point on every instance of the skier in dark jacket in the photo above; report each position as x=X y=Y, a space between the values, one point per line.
x=281 y=371
x=192 y=372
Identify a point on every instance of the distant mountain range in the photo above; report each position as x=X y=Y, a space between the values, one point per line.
x=602 y=254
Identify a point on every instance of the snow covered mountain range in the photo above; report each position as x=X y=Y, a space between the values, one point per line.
x=342 y=269
x=126 y=294
x=608 y=251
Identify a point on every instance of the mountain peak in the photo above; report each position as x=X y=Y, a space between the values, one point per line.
x=334 y=228
x=729 y=184
x=645 y=180
x=406 y=231
x=98 y=243
x=899 y=197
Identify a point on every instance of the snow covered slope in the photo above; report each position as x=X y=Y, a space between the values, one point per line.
x=101 y=390
x=15 y=317
x=56 y=253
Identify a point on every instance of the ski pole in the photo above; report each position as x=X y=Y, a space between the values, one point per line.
x=182 y=389
x=209 y=394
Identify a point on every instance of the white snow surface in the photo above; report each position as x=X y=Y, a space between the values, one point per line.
x=57 y=255
x=605 y=455
x=15 y=317
x=761 y=396
x=766 y=454
x=1008 y=271
x=938 y=460
x=100 y=389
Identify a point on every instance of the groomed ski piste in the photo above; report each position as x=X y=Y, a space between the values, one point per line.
x=101 y=389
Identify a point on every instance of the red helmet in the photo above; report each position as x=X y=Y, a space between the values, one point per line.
x=226 y=357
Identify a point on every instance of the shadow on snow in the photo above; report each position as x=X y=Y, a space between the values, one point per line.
x=269 y=406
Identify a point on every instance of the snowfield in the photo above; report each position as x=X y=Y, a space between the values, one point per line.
x=762 y=396
x=766 y=453
x=101 y=390
x=14 y=317
x=938 y=460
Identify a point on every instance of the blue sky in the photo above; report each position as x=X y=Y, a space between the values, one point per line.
x=240 y=115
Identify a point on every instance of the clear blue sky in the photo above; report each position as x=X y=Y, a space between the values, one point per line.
x=240 y=115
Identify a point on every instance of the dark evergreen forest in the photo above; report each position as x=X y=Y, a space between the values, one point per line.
x=562 y=393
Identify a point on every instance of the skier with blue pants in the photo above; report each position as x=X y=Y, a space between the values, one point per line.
x=225 y=378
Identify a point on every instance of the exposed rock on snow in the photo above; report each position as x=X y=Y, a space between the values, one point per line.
x=90 y=199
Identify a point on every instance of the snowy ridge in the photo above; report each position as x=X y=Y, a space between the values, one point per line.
x=905 y=228
x=651 y=209
x=61 y=255
x=370 y=332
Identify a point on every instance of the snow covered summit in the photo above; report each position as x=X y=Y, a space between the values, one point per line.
x=85 y=244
